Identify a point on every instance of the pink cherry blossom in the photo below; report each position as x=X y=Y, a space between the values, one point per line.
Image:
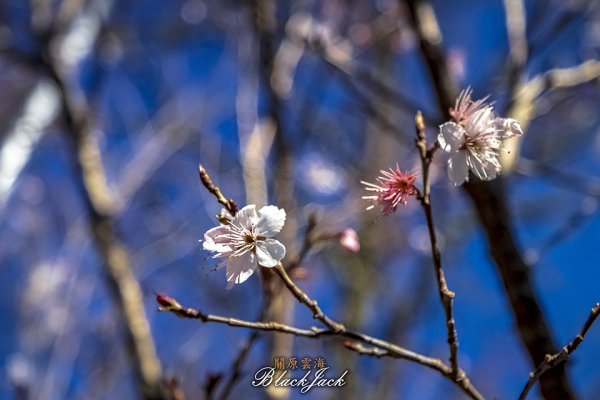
x=393 y=187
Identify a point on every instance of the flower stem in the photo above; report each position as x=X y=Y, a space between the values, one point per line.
x=446 y=295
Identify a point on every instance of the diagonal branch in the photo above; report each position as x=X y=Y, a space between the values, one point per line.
x=551 y=361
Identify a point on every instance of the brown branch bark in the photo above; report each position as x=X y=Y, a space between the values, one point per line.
x=551 y=361
x=495 y=219
x=446 y=295
x=332 y=328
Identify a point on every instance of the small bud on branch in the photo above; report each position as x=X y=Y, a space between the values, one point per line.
x=229 y=204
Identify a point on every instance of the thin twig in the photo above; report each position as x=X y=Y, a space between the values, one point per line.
x=169 y=304
x=206 y=180
x=552 y=361
x=364 y=350
x=494 y=216
x=307 y=243
x=333 y=328
x=446 y=295
x=303 y=298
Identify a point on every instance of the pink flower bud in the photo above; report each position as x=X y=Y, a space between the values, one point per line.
x=167 y=301
x=349 y=240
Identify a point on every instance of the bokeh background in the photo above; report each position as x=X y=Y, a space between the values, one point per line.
x=287 y=103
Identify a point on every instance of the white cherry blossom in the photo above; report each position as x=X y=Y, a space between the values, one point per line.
x=246 y=242
x=474 y=139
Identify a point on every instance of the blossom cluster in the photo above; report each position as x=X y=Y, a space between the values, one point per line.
x=474 y=139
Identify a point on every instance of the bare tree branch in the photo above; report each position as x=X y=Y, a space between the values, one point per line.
x=551 y=361
x=446 y=295
x=523 y=103
x=333 y=328
x=113 y=255
x=587 y=185
x=495 y=219
x=516 y=27
x=169 y=304
x=568 y=17
x=206 y=180
x=558 y=78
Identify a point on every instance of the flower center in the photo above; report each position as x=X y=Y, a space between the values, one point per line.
x=249 y=239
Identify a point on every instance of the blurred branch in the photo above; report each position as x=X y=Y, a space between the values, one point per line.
x=446 y=295
x=565 y=77
x=42 y=104
x=494 y=216
x=113 y=255
x=572 y=224
x=254 y=158
x=236 y=368
x=516 y=27
x=558 y=78
x=522 y=105
x=264 y=20
x=567 y=18
x=587 y=185
x=430 y=38
x=551 y=361
x=41 y=15
x=38 y=112
x=336 y=52
x=162 y=136
x=309 y=240
x=531 y=324
x=125 y=287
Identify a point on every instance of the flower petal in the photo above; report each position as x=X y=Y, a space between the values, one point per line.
x=508 y=127
x=239 y=269
x=246 y=216
x=270 y=220
x=451 y=137
x=485 y=168
x=214 y=240
x=481 y=122
x=458 y=169
x=269 y=252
